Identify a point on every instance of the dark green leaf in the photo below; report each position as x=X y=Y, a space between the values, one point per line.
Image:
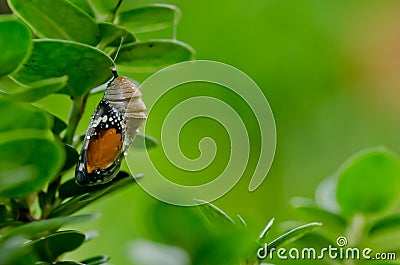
x=9 y=223
x=57 y=21
x=213 y=214
x=39 y=89
x=15 y=44
x=58 y=125
x=387 y=223
x=71 y=157
x=83 y=5
x=293 y=235
x=96 y=260
x=84 y=195
x=49 y=248
x=86 y=66
x=153 y=55
x=111 y=35
x=15 y=116
x=368 y=182
x=28 y=160
x=3 y=212
x=149 y=17
x=38 y=228
x=143 y=141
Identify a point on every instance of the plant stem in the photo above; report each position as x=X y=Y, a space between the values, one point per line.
x=75 y=115
x=356 y=233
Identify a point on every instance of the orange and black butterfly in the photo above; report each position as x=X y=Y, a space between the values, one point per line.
x=111 y=131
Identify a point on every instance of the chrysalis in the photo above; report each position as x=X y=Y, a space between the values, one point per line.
x=111 y=131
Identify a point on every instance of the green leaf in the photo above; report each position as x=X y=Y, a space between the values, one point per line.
x=387 y=223
x=293 y=235
x=149 y=18
x=58 y=125
x=111 y=35
x=84 y=195
x=15 y=251
x=57 y=21
x=28 y=160
x=213 y=214
x=149 y=56
x=368 y=182
x=263 y=235
x=15 y=116
x=15 y=44
x=86 y=66
x=39 y=89
x=313 y=211
x=98 y=260
x=71 y=157
x=325 y=195
x=83 y=5
x=69 y=263
x=143 y=141
x=105 y=6
x=38 y=228
x=50 y=247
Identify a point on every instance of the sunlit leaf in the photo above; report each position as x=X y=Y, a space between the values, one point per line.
x=83 y=5
x=86 y=66
x=58 y=21
x=15 y=116
x=39 y=89
x=316 y=213
x=111 y=35
x=148 y=56
x=149 y=17
x=15 y=44
x=368 y=182
x=28 y=160
x=37 y=228
x=293 y=235
x=213 y=214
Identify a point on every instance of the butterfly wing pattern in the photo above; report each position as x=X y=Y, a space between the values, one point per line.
x=111 y=131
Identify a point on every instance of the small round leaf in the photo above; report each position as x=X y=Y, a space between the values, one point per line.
x=368 y=182
x=87 y=67
x=58 y=21
x=15 y=44
x=149 y=56
x=28 y=160
x=149 y=17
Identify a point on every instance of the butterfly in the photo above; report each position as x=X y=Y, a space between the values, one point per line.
x=111 y=131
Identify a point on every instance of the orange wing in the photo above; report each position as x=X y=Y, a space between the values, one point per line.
x=103 y=150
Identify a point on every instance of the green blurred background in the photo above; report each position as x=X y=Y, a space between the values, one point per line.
x=331 y=73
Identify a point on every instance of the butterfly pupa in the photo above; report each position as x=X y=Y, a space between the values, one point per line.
x=112 y=129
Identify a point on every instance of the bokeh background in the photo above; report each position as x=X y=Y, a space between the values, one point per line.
x=331 y=73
